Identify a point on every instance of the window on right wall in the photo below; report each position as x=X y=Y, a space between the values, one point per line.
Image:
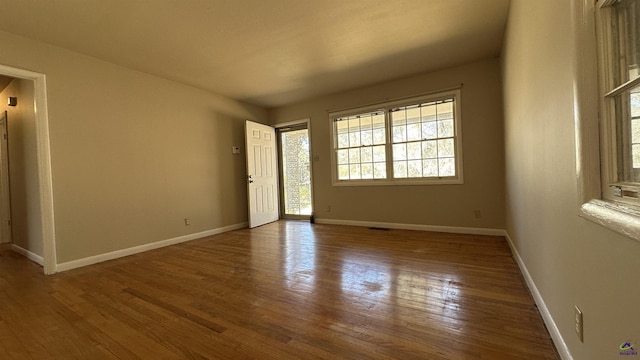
x=619 y=48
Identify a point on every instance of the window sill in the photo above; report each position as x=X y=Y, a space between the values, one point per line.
x=619 y=218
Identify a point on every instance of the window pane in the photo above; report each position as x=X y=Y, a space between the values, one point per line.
x=399 y=169
x=354 y=123
x=378 y=120
x=429 y=130
x=366 y=138
x=446 y=167
x=379 y=154
x=354 y=139
x=367 y=171
x=428 y=112
x=365 y=122
x=343 y=140
x=343 y=172
x=354 y=156
x=343 y=156
x=399 y=133
x=354 y=171
x=366 y=154
x=414 y=151
x=379 y=136
x=414 y=168
x=627 y=38
x=445 y=110
x=399 y=151
x=430 y=168
x=414 y=132
x=429 y=149
x=445 y=148
x=413 y=115
x=398 y=117
x=380 y=170
x=445 y=128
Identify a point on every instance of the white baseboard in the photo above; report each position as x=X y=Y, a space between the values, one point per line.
x=446 y=229
x=561 y=345
x=141 y=248
x=28 y=254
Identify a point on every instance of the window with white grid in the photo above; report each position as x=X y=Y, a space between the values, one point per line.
x=411 y=141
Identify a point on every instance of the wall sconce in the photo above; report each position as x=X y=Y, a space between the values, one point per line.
x=13 y=101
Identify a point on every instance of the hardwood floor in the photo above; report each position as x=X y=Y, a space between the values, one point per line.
x=287 y=290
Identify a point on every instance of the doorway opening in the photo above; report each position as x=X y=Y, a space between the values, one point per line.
x=294 y=153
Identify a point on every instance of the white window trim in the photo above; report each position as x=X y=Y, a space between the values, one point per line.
x=615 y=216
x=435 y=96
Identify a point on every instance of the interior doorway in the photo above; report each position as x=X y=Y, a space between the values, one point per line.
x=294 y=155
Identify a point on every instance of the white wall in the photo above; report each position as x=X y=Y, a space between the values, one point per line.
x=572 y=261
x=132 y=154
x=23 y=166
x=429 y=205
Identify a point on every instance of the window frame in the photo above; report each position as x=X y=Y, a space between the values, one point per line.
x=387 y=106
x=591 y=125
x=613 y=189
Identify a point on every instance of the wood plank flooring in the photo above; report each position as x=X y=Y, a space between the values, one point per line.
x=286 y=290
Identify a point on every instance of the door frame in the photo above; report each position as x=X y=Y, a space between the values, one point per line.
x=5 y=187
x=306 y=122
x=43 y=152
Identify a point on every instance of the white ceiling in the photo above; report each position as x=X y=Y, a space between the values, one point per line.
x=268 y=52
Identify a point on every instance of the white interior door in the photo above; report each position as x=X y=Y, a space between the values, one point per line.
x=5 y=203
x=262 y=176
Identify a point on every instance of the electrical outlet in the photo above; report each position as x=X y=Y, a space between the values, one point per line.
x=477 y=214
x=187 y=221
x=578 y=323
x=328 y=208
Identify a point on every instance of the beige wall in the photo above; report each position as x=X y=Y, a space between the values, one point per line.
x=571 y=260
x=440 y=205
x=132 y=154
x=23 y=166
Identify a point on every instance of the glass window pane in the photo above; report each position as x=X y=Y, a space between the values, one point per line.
x=414 y=151
x=354 y=123
x=380 y=170
x=445 y=148
x=446 y=167
x=378 y=120
x=399 y=133
x=354 y=156
x=627 y=13
x=366 y=155
x=414 y=132
x=343 y=140
x=343 y=156
x=429 y=130
x=379 y=136
x=445 y=128
x=354 y=139
x=367 y=171
x=414 y=168
x=354 y=171
x=379 y=153
x=365 y=122
x=366 y=138
x=429 y=149
x=428 y=112
x=445 y=110
x=399 y=169
x=413 y=115
x=342 y=126
x=398 y=117
x=430 y=167
x=343 y=172
x=399 y=151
